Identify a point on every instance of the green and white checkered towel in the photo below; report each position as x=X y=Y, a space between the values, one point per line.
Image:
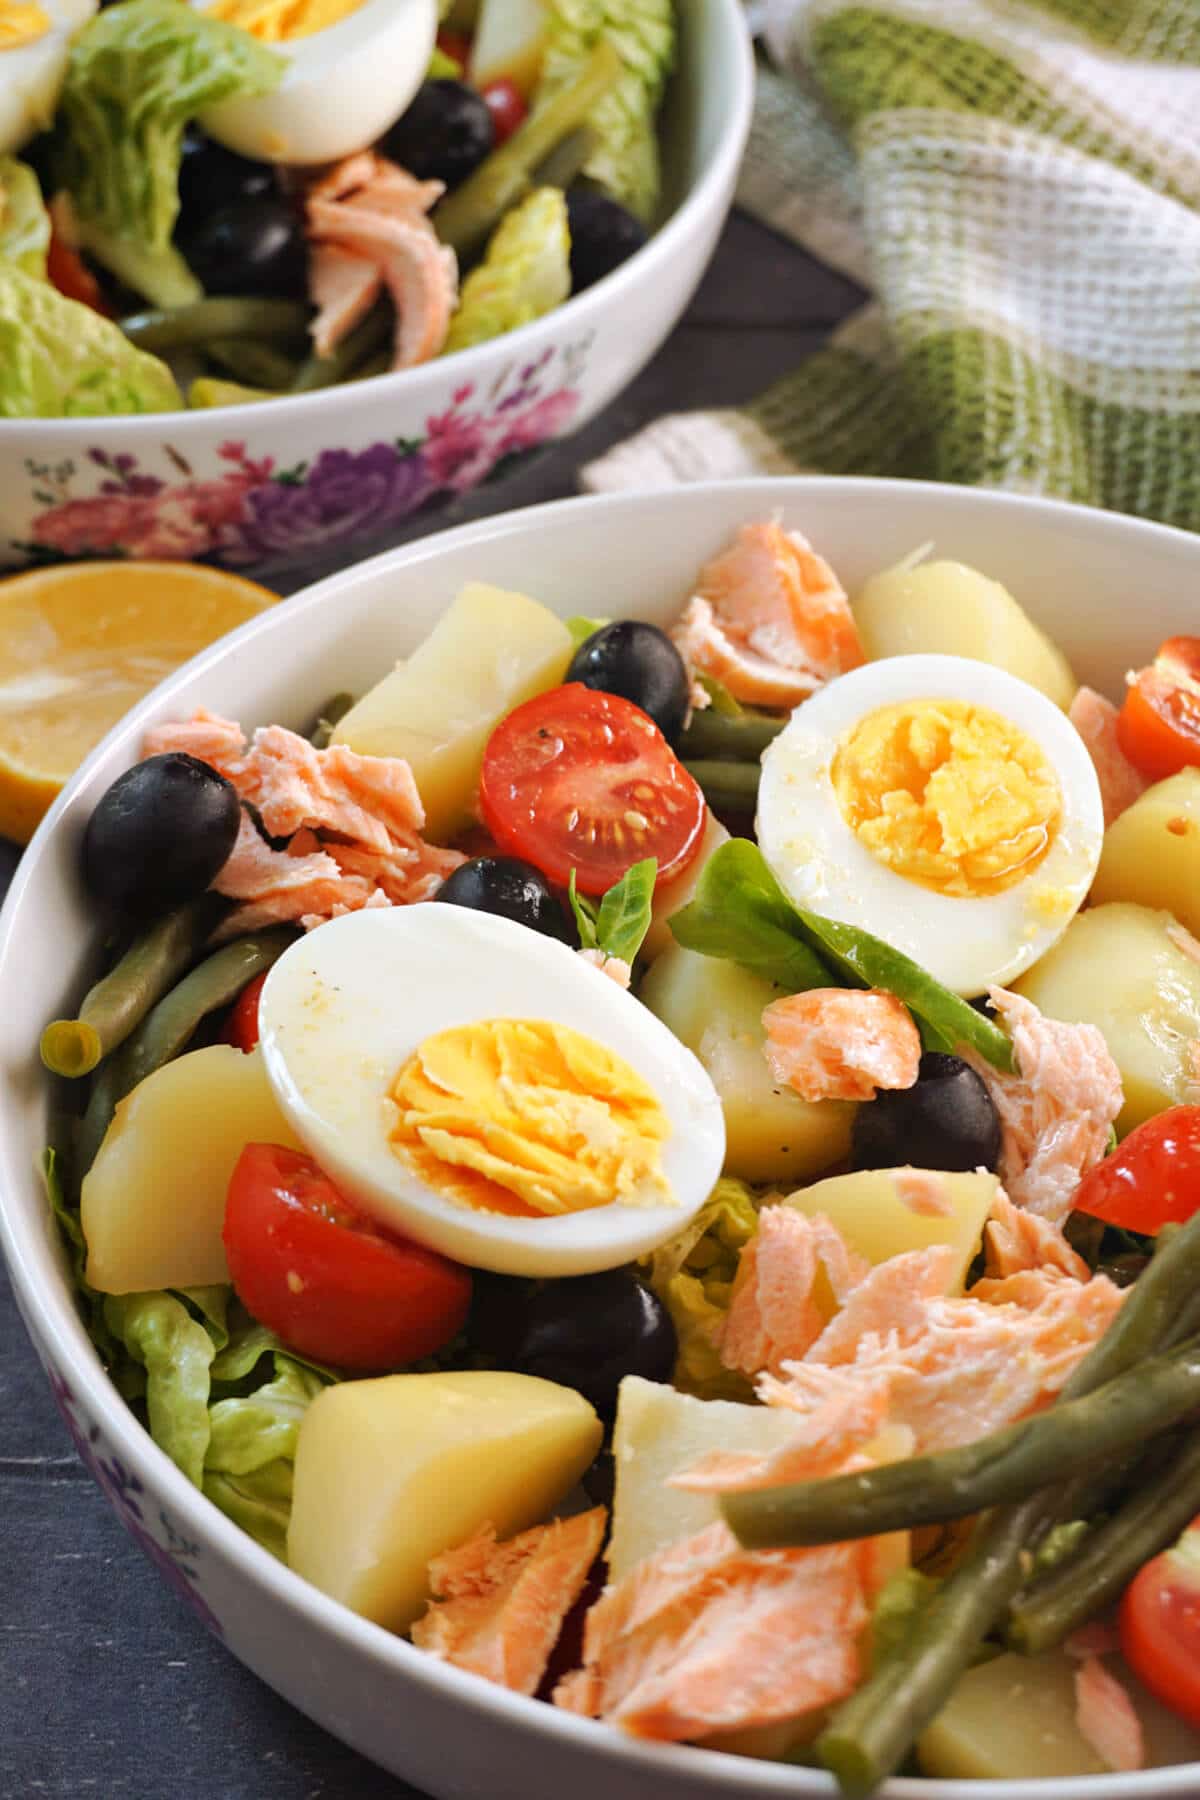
x=1018 y=184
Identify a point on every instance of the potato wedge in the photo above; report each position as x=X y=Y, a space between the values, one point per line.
x=1151 y=854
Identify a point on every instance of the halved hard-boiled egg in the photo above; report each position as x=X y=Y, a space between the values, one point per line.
x=485 y=1091
x=35 y=41
x=940 y=804
x=352 y=68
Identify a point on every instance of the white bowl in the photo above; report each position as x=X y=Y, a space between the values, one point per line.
x=453 y=1735
x=256 y=488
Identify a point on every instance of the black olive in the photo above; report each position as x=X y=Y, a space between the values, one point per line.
x=603 y=235
x=253 y=246
x=585 y=1332
x=160 y=833
x=946 y=1120
x=212 y=178
x=511 y=888
x=640 y=663
x=445 y=134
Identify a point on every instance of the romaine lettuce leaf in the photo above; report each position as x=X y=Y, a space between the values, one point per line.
x=526 y=271
x=740 y=912
x=24 y=221
x=59 y=359
x=176 y=1352
x=137 y=73
x=624 y=161
x=693 y=1275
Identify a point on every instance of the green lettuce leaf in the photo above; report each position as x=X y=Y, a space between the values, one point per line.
x=137 y=73
x=693 y=1275
x=260 y=1501
x=176 y=1351
x=525 y=272
x=739 y=911
x=624 y=161
x=24 y=221
x=618 y=926
x=581 y=628
x=59 y=359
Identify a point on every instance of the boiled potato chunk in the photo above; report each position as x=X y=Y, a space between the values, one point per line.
x=660 y=1432
x=950 y=610
x=1013 y=1719
x=1151 y=853
x=1119 y=967
x=489 y=651
x=868 y=1210
x=153 y=1202
x=390 y=1473
x=716 y=1008
x=676 y=894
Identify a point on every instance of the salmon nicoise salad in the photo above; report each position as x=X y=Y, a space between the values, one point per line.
x=664 y=1166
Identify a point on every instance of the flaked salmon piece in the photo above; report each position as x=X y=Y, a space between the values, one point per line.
x=353 y=171
x=419 y=272
x=615 y=967
x=772 y=1316
x=408 y=872
x=925 y=1192
x=705 y=1636
x=343 y=288
x=892 y=1299
x=769 y=619
x=1016 y=1240
x=217 y=741
x=852 y=1413
x=499 y=1608
x=374 y=900
x=1106 y=1717
x=278 y=887
x=1099 y=1637
x=368 y=800
x=369 y=180
x=1095 y=719
x=1056 y=1111
x=841 y=1043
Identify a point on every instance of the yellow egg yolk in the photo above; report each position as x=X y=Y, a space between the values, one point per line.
x=949 y=795
x=279 y=21
x=522 y=1116
x=21 y=22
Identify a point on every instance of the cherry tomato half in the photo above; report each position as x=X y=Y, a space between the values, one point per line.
x=319 y=1275
x=241 y=1027
x=507 y=106
x=580 y=779
x=1158 y=726
x=1159 y=1622
x=67 y=271
x=1151 y=1179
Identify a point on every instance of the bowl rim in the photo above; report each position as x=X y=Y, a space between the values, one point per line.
x=727 y=43
x=60 y=1329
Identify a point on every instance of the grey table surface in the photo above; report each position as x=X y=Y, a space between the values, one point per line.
x=108 y=1686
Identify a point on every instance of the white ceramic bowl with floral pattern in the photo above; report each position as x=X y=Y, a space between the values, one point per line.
x=452 y=1734
x=284 y=482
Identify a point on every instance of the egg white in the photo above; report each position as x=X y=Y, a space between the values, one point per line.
x=343 y=1009
x=343 y=87
x=31 y=76
x=967 y=943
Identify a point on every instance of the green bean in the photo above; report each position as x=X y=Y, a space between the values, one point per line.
x=253 y=363
x=728 y=786
x=335 y=708
x=1099 y=1570
x=710 y=733
x=220 y=317
x=120 y=1000
x=169 y=1028
x=355 y=349
x=996 y=1470
x=870 y=1733
x=468 y=216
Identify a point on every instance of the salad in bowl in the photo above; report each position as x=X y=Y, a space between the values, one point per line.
x=644 y=1158
x=211 y=212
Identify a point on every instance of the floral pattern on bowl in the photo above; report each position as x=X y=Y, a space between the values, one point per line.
x=251 y=513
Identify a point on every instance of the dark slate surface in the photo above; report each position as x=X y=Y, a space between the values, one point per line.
x=108 y=1686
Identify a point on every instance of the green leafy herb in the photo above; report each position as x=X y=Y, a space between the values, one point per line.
x=581 y=628
x=739 y=911
x=619 y=924
x=59 y=359
x=138 y=72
